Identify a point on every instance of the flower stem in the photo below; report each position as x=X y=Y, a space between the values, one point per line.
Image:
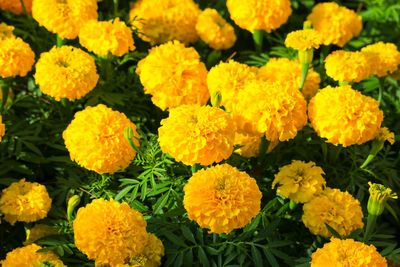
x=371 y=223
x=258 y=37
x=115 y=8
x=60 y=41
x=304 y=71
x=367 y=161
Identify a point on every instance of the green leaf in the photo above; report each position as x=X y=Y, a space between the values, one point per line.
x=256 y=257
x=188 y=234
x=161 y=203
x=203 y=257
x=123 y=192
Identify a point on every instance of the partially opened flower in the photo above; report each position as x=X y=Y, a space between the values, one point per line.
x=16 y=6
x=222 y=198
x=383 y=58
x=66 y=72
x=378 y=196
x=303 y=39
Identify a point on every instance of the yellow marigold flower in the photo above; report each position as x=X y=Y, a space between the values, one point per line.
x=339 y=210
x=95 y=139
x=344 y=116
x=66 y=72
x=24 y=202
x=171 y=20
x=299 y=181
x=109 y=232
x=29 y=256
x=337 y=24
x=2 y=129
x=222 y=198
x=174 y=75
x=378 y=196
x=264 y=15
x=214 y=30
x=346 y=66
x=229 y=78
x=39 y=231
x=384 y=135
x=197 y=134
x=151 y=255
x=64 y=18
x=303 y=39
x=246 y=137
x=6 y=31
x=16 y=57
x=285 y=70
x=15 y=6
x=277 y=109
x=347 y=252
x=384 y=58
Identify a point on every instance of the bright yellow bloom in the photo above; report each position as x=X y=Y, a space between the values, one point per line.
x=339 y=210
x=347 y=253
x=6 y=31
x=346 y=66
x=109 y=232
x=299 y=181
x=66 y=72
x=277 y=109
x=246 y=137
x=214 y=30
x=39 y=231
x=171 y=20
x=174 y=75
x=64 y=17
x=378 y=195
x=222 y=198
x=303 y=39
x=15 y=6
x=229 y=78
x=151 y=255
x=95 y=139
x=107 y=37
x=24 y=202
x=285 y=70
x=384 y=135
x=264 y=15
x=384 y=58
x=197 y=134
x=337 y=24
x=344 y=116
x=2 y=128
x=29 y=257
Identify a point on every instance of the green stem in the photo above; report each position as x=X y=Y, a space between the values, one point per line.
x=5 y=89
x=258 y=37
x=60 y=41
x=367 y=161
x=371 y=223
x=304 y=72
x=115 y=8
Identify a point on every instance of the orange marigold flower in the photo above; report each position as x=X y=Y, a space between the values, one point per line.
x=95 y=139
x=338 y=209
x=344 y=116
x=264 y=15
x=109 y=232
x=174 y=75
x=197 y=134
x=347 y=252
x=171 y=20
x=15 y=6
x=303 y=39
x=384 y=58
x=222 y=198
x=336 y=24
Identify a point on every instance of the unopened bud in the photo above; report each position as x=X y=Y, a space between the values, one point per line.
x=73 y=202
x=216 y=99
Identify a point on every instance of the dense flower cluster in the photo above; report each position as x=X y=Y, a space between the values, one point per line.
x=344 y=116
x=95 y=139
x=2 y=128
x=264 y=15
x=66 y=72
x=64 y=18
x=197 y=134
x=303 y=39
x=299 y=181
x=347 y=252
x=384 y=58
x=222 y=198
x=29 y=256
x=214 y=30
x=339 y=210
x=24 y=202
x=15 y=6
x=336 y=24
x=174 y=75
x=170 y=20
x=107 y=37
x=39 y=231
x=109 y=232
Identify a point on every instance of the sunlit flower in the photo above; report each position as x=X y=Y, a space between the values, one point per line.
x=384 y=58
x=246 y=137
x=303 y=39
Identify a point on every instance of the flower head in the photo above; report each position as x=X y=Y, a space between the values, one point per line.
x=24 y=202
x=66 y=72
x=378 y=195
x=39 y=231
x=222 y=198
x=174 y=75
x=264 y=15
x=171 y=20
x=107 y=37
x=303 y=39
x=347 y=252
x=384 y=58
x=6 y=31
x=66 y=17
x=337 y=209
x=384 y=135
x=214 y=30
x=95 y=139
x=29 y=256
x=299 y=181
x=197 y=134
x=336 y=24
x=344 y=116
x=15 y=6
x=109 y=232
x=246 y=137
x=151 y=255
x=2 y=128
